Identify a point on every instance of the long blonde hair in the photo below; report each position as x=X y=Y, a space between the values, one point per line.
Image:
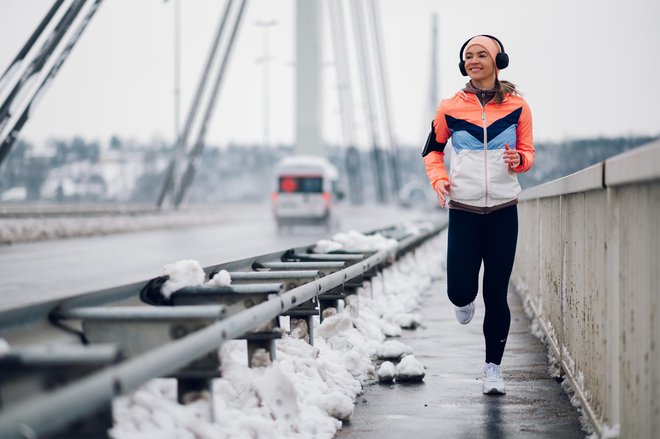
x=503 y=88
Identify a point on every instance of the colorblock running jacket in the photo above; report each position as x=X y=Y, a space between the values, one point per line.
x=479 y=176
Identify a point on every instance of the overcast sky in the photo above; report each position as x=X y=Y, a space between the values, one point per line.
x=587 y=67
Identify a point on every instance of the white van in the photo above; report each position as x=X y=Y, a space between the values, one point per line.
x=306 y=189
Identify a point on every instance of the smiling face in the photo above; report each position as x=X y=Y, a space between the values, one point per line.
x=480 y=67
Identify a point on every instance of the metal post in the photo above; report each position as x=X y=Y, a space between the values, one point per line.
x=434 y=98
x=177 y=67
x=265 y=61
x=308 y=78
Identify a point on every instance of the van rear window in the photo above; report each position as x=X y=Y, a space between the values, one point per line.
x=297 y=184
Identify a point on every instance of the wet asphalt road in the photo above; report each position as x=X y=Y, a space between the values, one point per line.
x=449 y=402
x=34 y=272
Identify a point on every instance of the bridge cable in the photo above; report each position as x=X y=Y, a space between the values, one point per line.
x=344 y=91
x=385 y=96
x=171 y=177
x=38 y=64
x=195 y=154
x=15 y=65
x=379 y=167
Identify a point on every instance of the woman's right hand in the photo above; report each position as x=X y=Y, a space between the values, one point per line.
x=441 y=190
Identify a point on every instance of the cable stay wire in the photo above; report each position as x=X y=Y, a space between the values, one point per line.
x=16 y=63
x=378 y=165
x=385 y=96
x=38 y=63
x=7 y=143
x=195 y=154
x=171 y=177
x=345 y=95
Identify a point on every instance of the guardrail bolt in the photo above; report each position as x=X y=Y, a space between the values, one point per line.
x=178 y=331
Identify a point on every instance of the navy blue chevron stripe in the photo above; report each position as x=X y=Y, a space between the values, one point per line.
x=461 y=125
x=497 y=127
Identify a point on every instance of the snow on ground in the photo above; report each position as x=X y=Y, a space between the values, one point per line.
x=308 y=390
x=410 y=369
x=386 y=372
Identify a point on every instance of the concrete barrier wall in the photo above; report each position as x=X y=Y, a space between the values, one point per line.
x=588 y=267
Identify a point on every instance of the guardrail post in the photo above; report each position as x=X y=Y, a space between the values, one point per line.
x=330 y=299
x=136 y=330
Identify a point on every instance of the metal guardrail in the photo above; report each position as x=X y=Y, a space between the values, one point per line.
x=176 y=337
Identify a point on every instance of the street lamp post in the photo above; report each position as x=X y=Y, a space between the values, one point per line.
x=177 y=68
x=265 y=61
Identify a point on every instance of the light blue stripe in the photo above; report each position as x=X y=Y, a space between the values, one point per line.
x=461 y=140
x=506 y=136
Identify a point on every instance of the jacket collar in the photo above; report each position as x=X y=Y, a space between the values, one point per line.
x=484 y=96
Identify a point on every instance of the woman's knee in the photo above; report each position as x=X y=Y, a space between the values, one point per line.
x=461 y=296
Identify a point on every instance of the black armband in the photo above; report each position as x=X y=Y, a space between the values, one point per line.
x=432 y=144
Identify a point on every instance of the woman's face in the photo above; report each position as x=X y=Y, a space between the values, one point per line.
x=478 y=63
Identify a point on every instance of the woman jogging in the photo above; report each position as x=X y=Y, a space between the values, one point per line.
x=490 y=127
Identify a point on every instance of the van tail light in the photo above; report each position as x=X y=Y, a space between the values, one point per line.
x=326 y=199
x=276 y=197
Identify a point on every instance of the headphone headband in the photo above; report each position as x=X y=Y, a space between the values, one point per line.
x=501 y=60
x=499 y=43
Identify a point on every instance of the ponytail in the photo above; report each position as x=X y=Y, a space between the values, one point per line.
x=503 y=88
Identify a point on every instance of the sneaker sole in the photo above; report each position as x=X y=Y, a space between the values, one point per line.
x=494 y=391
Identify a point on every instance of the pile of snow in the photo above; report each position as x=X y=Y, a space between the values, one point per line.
x=410 y=369
x=308 y=390
x=221 y=279
x=355 y=241
x=393 y=350
x=386 y=372
x=327 y=246
x=189 y=273
x=184 y=273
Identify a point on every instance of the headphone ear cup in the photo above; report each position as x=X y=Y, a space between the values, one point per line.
x=502 y=61
x=461 y=67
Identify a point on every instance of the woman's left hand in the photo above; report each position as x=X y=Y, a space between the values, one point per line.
x=511 y=156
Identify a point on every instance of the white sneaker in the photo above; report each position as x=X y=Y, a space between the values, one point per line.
x=464 y=313
x=493 y=382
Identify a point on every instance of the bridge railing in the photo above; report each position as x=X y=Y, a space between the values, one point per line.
x=587 y=267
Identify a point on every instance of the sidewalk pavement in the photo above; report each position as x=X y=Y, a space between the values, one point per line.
x=449 y=402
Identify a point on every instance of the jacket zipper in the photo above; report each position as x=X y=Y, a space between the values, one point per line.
x=483 y=121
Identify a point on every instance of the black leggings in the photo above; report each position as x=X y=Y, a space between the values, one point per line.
x=491 y=238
